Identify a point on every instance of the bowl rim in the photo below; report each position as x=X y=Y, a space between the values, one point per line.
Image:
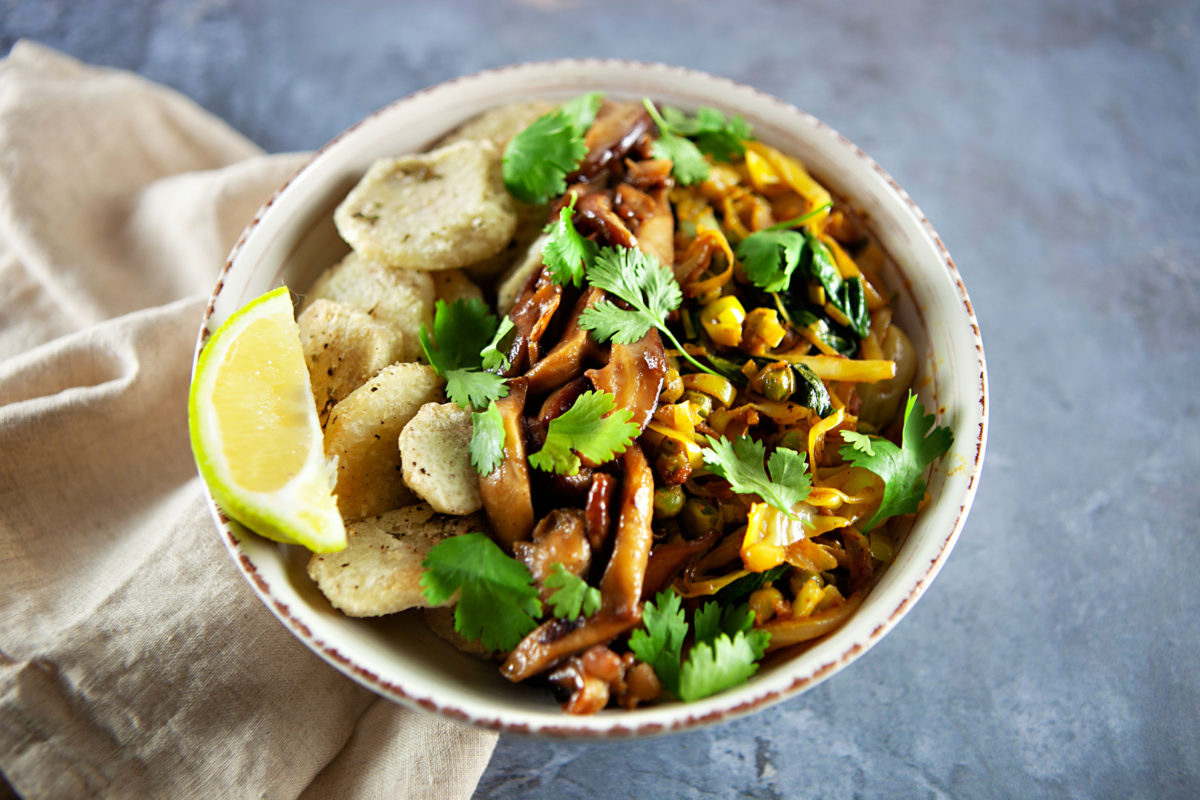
x=684 y=721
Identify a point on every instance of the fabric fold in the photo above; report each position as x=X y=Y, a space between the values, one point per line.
x=134 y=659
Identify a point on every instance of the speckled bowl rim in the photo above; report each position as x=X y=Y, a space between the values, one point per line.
x=722 y=707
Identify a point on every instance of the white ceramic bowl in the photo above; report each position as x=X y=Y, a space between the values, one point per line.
x=292 y=238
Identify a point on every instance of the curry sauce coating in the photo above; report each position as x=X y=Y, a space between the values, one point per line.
x=440 y=210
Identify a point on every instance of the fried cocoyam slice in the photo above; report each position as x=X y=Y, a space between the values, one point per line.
x=380 y=570
x=439 y=210
x=363 y=433
x=453 y=284
x=343 y=349
x=500 y=124
x=436 y=460
x=401 y=299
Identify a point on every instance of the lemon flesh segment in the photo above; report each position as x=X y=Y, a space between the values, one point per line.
x=254 y=428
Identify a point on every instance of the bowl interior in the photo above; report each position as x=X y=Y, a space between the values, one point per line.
x=292 y=239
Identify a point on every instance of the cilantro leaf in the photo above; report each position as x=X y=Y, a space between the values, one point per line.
x=722 y=139
x=492 y=357
x=566 y=254
x=639 y=280
x=901 y=467
x=538 y=159
x=498 y=603
x=770 y=257
x=584 y=429
x=580 y=111
x=471 y=389
x=740 y=462
x=722 y=664
x=462 y=330
x=487 y=439
x=572 y=594
x=859 y=441
x=687 y=161
x=659 y=641
x=713 y=619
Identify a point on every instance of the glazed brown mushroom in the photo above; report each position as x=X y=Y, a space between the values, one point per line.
x=597 y=514
x=559 y=538
x=656 y=233
x=620 y=588
x=634 y=376
x=565 y=360
x=531 y=315
x=507 y=498
x=618 y=127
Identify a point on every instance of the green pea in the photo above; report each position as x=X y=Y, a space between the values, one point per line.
x=793 y=440
x=700 y=401
x=778 y=382
x=668 y=501
x=671 y=463
x=699 y=516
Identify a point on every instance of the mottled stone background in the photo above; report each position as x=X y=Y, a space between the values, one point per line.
x=1054 y=146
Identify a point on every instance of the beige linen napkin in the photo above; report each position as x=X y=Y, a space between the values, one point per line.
x=134 y=659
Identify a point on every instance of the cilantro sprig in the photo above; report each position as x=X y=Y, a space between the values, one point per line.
x=487 y=439
x=461 y=331
x=566 y=254
x=723 y=139
x=772 y=255
x=538 y=159
x=572 y=595
x=740 y=461
x=901 y=468
x=725 y=651
x=659 y=642
x=593 y=427
x=498 y=603
x=492 y=357
x=649 y=287
x=687 y=161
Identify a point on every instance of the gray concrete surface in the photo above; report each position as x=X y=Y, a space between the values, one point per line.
x=1054 y=146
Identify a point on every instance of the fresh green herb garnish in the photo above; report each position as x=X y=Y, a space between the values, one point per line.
x=584 y=429
x=740 y=462
x=725 y=652
x=639 y=280
x=461 y=331
x=492 y=357
x=770 y=257
x=498 y=604
x=659 y=642
x=572 y=594
x=687 y=161
x=538 y=159
x=901 y=467
x=722 y=664
x=566 y=254
x=487 y=439
x=721 y=138
x=712 y=619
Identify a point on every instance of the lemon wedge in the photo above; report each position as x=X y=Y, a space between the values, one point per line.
x=254 y=428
